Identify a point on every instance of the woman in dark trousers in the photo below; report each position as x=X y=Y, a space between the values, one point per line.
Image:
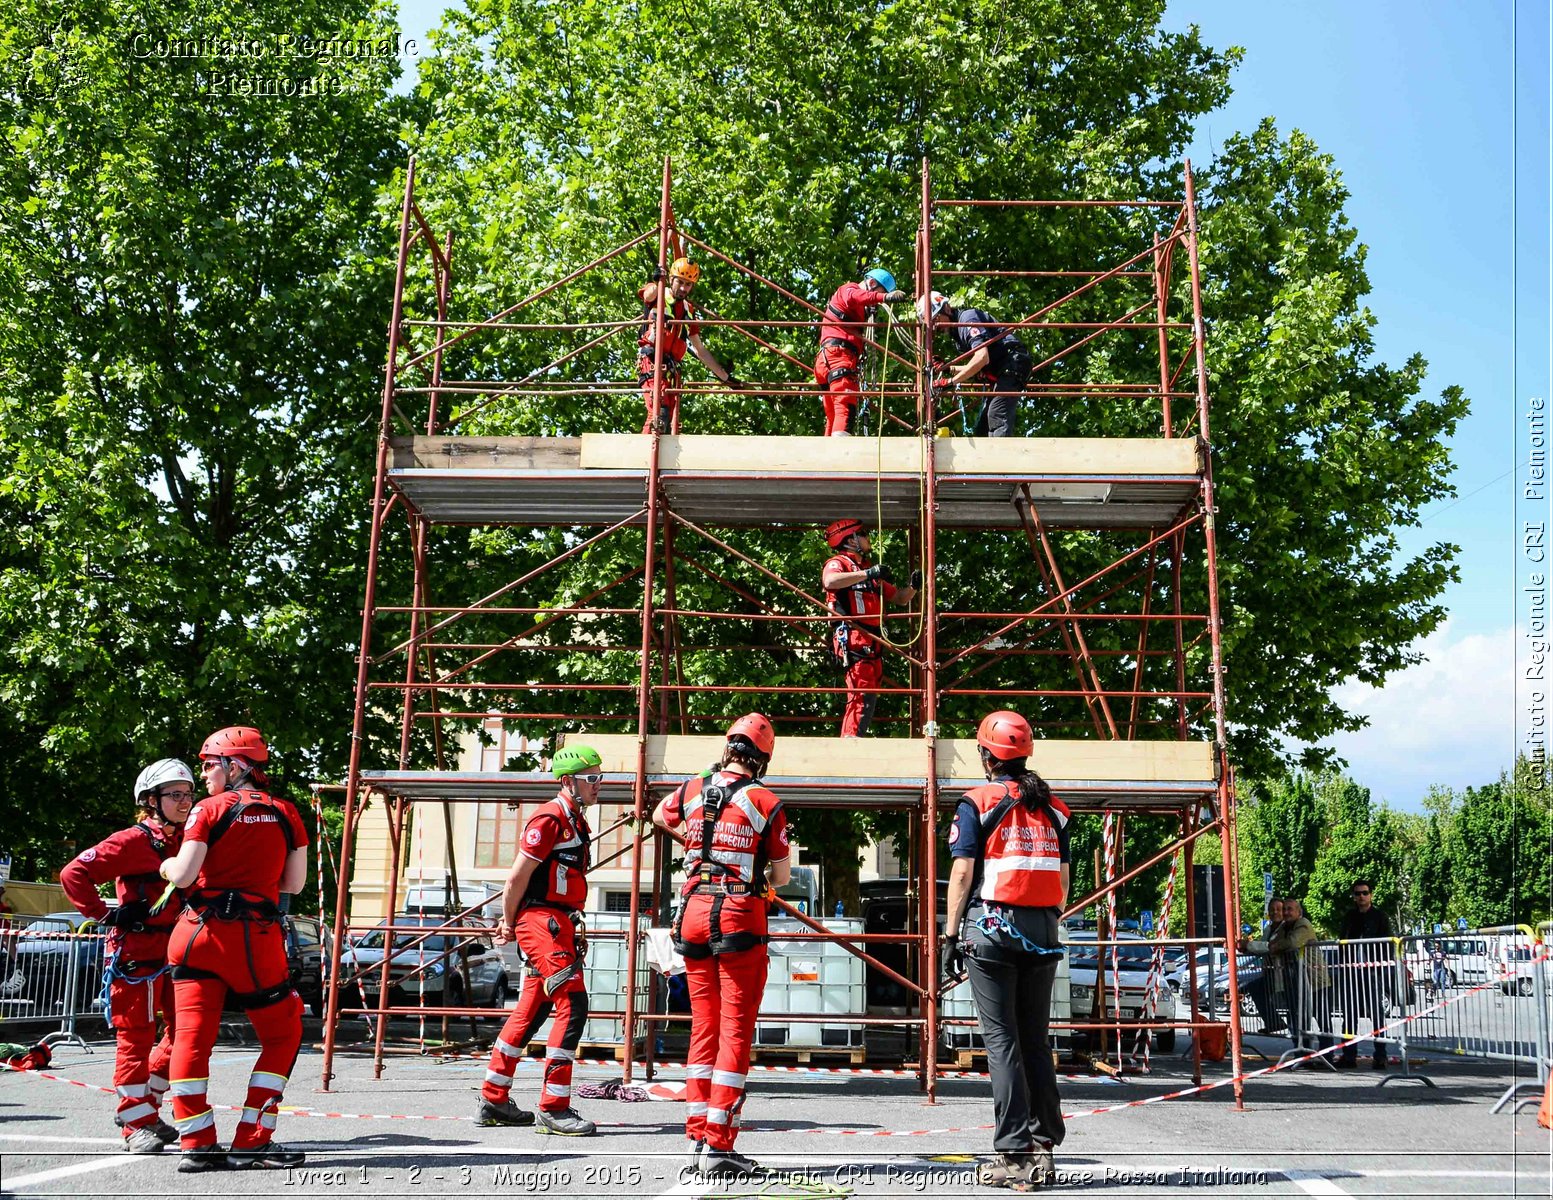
x=1008 y=884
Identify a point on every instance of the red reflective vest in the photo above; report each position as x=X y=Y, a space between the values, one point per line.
x=847 y=312
x=558 y=838
x=1021 y=860
x=677 y=328
x=751 y=829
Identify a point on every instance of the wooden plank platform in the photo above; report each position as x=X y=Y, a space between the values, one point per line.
x=856 y=772
x=600 y=478
x=853 y=1056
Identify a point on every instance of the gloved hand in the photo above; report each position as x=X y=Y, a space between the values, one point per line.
x=732 y=381
x=916 y=580
x=656 y=276
x=127 y=916
x=951 y=961
x=896 y=297
x=877 y=571
x=942 y=383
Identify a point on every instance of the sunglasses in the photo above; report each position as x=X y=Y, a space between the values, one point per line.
x=1356 y=895
x=597 y=777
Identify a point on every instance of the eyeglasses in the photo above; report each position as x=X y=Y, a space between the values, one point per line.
x=179 y=797
x=595 y=778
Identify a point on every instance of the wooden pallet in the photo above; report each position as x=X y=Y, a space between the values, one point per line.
x=614 y=1050
x=853 y=1056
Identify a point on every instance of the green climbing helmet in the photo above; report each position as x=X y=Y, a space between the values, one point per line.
x=574 y=760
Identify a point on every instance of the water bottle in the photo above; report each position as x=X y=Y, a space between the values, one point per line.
x=840 y=910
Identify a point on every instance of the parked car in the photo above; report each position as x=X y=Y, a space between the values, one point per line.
x=305 y=952
x=1213 y=978
x=1515 y=972
x=41 y=980
x=444 y=969
x=1134 y=959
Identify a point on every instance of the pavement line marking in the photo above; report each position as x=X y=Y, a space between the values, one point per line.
x=1313 y=1183
x=81 y=1168
x=72 y=1141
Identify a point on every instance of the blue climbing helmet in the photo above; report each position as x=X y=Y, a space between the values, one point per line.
x=882 y=277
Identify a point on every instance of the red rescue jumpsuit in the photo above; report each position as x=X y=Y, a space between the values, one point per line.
x=841 y=343
x=140 y=987
x=677 y=330
x=861 y=655
x=229 y=939
x=722 y=934
x=557 y=837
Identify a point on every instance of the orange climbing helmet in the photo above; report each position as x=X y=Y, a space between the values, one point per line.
x=683 y=268
x=237 y=741
x=839 y=531
x=753 y=732
x=1005 y=735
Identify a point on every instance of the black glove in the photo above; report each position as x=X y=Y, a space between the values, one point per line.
x=878 y=571
x=916 y=580
x=657 y=274
x=896 y=297
x=127 y=916
x=951 y=961
x=942 y=383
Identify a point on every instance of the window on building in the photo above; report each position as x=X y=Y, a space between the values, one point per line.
x=888 y=861
x=497 y=830
x=620 y=902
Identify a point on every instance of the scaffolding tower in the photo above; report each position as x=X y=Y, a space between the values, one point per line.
x=1143 y=746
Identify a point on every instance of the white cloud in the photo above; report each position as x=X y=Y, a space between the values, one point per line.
x=1449 y=719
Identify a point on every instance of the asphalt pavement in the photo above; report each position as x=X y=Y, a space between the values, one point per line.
x=1310 y=1132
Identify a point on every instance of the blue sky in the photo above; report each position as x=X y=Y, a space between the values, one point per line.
x=1447 y=165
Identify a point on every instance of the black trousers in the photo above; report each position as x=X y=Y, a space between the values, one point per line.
x=1013 y=1003
x=997 y=415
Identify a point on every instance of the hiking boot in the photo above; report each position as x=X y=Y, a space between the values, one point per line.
x=505 y=1113
x=697 y=1149
x=204 y=1158
x=163 y=1130
x=143 y=1141
x=1347 y=1059
x=1007 y=1171
x=270 y=1157
x=729 y=1164
x=567 y=1123
x=1040 y=1164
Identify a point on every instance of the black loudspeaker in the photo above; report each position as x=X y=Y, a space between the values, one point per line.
x=1209 y=903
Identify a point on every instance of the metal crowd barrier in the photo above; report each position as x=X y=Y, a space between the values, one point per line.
x=49 y=974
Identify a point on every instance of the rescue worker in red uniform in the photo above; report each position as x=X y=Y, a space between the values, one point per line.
x=679 y=331
x=735 y=851
x=242 y=847
x=858 y=591
x=139 y=985
x=1009 y=841
x=542 y=912
x=847 y=314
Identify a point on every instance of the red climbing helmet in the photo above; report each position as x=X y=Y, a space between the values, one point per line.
x=839 y=531
x=237 y=741
x=755 y=733
x=1005 y=735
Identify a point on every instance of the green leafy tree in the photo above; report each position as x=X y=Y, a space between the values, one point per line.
x=192 y=289
x=1500 y=849
x=1280 y=826
x=1362 y=842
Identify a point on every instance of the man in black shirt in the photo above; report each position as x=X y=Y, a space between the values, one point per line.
x=996 y=355
x=1367 y=970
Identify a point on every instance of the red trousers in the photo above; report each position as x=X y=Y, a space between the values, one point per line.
x=140 y=1069
x=248 y=959
x=840 y=390
x=553 y=982
x=725 y=993
x=671 y=388
x=859 y=711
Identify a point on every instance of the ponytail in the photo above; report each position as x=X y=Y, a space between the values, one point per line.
x=1034 y=793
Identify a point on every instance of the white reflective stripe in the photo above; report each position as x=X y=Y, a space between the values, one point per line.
x=753 y=815
x=139 y=1111
x=728 y=1079
x=717 y=1116
x=498 y=1079
x=698 y=1070
x=693 y=808
x=190 y=1087
x=560 y=877
x=729 y=858
x=561 y=1091
x=267 y=1080
x=188 y=1125
x=558 y=1052
x=157 y=1084
x=509 y=1049
x=132 y=1091
x=695 y=1108
x=251 y=1115
x=266 y=1120
x=995 y=867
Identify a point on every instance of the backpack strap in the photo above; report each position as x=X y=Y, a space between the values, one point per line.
x=229 y=818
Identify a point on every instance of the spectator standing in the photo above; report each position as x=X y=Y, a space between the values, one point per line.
x=1366 y=972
